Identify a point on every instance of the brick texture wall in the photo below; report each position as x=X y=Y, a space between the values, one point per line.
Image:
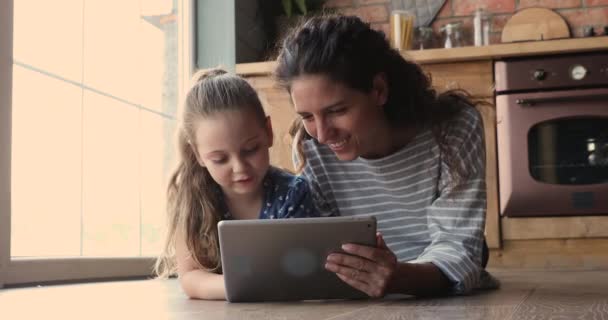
x=577 y=13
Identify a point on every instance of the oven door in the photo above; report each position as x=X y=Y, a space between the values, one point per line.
x=553 y=153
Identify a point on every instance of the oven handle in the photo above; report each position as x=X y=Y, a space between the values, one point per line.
x=535 y=101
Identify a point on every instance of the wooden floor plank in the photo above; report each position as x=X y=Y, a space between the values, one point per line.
x=566 y=295
x=524 y=294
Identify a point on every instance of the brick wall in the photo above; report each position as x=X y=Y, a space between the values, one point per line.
x=578 y=13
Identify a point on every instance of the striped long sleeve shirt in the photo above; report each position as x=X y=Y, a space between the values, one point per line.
x=423 y=214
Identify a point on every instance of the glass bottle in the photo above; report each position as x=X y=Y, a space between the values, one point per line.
x=481 y=28
x=452 y=35
x=424 y=38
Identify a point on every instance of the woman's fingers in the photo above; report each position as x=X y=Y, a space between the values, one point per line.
x=347 y=271
x=380 y=241
x=358 y=269
x=381 y=256
x=354 y=268
x=368 y=269
x=353 y=262
x=364 y=281
x=361 y=286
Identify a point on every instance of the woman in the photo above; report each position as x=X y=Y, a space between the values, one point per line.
x=374 y=138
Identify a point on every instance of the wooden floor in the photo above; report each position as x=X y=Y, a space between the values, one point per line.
x=525 y=294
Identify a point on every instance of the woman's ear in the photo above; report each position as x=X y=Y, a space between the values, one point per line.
x=269 y=131
x=380 y=88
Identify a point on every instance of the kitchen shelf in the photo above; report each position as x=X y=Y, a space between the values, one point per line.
x=495 y=51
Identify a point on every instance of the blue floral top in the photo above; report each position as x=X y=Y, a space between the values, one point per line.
x=285 y=196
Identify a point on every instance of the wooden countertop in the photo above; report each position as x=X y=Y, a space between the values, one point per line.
x=541 y=294
x=529 y=48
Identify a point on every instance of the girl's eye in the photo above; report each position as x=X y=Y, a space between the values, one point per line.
x=251 y=150
x=219 y=161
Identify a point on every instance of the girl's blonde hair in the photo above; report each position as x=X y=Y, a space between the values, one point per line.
x=194 y=200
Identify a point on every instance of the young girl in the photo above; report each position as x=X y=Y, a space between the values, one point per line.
x=223 y=173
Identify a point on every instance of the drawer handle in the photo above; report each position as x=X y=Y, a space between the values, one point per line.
x=535 y=101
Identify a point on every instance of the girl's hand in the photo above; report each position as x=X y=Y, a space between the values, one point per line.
x=368 y=269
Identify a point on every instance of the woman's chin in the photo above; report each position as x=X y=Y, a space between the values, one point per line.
x=345 y=155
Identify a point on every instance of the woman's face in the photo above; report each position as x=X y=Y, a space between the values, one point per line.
x=345 y=119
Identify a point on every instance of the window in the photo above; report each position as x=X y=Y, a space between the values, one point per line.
x=95 y=87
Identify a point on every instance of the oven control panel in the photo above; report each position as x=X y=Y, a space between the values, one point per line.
x=539 y=74
x=552 y=72
x=578 y=72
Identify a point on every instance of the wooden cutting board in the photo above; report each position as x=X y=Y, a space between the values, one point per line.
x=535 y=24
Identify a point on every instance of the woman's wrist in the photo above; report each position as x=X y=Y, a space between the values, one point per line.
x=418 y=279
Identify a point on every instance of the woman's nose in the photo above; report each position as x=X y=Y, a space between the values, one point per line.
x=322 y=130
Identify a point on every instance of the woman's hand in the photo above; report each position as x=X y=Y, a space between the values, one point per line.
x=368 y=269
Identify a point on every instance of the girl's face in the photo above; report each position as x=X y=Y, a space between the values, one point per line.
x=233 y=146
x=342 y=118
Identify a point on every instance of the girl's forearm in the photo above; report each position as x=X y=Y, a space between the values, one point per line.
x=423 y=279
x=199 y=284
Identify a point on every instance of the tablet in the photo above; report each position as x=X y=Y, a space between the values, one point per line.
x=284 y=259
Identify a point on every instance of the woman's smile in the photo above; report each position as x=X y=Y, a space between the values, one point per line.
x=338 y=145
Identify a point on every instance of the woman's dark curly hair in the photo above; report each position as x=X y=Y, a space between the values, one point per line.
x=348 y=51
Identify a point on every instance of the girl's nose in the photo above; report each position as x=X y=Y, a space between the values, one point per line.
x=239 y=165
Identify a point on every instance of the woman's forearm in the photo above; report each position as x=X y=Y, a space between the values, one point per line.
x=199 y=284
x=423 y=279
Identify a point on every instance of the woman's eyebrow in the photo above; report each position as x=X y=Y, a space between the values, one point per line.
x=333 y=105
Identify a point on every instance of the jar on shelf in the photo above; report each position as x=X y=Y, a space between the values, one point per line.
x=481 y=28
x=452 y=36
x=424 y=38
x=401 y=29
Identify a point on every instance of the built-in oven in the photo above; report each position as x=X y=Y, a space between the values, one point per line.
x=552 y=135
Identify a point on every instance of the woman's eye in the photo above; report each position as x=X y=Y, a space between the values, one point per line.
x=338 y=110
x=306 y=118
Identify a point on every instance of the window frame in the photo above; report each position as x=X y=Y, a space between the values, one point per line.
x=16 y=271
